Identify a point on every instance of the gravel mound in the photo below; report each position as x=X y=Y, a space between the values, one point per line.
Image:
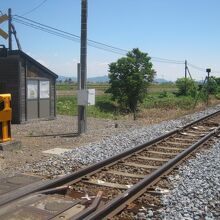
x=196 y=189
x=107 y=147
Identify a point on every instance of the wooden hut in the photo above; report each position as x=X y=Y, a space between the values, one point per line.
x=32 y=86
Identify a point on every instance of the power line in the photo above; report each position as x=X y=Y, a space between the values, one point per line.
x=35 y=8
x=46 y=26
x=76 y=39
x=196 y=67
x=216 y=71
x=74 y=35
x=202 y=69
x=168 y=60
x=44 y=29
x=161 y=60
x=92 y=43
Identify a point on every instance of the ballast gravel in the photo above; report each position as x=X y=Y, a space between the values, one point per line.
x=108 y=146
x=196 y=189
x=195 y=192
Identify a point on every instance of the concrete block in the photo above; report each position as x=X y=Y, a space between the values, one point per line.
x=10 y=145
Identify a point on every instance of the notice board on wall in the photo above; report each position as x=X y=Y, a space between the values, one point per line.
x=32 y=89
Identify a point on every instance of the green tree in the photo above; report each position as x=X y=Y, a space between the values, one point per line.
x=186 y=87
x=217 y=79
x=129 y=79
x=210 y=87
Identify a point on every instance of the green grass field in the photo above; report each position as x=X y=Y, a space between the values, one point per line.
x=104 y=107
x=160 y=96
x=169 y=87
x=73 y=86
x=168 y=101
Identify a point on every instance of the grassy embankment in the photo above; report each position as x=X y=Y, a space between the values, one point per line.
x=67 y=103
x=160 y=96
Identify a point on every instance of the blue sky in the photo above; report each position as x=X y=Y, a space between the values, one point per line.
x=171 y=29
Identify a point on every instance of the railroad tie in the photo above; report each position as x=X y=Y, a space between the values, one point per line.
x=132 y=175
x=198 y=132
x=161 y=153
x=141 y=165
x=189 y=134
x=183 y=139
x=177 y=143
x=107 y=184
x=170 y=148
x=153 y=159
x=200 y=128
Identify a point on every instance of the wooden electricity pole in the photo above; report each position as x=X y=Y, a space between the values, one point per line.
x=185 y=75
x=208 y=79
x=82 y=124
x=9 y=30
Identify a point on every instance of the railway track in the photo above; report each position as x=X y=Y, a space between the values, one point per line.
x=105 y=189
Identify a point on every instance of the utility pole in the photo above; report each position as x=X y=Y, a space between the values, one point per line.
x=79 y=107
x=16 y=38
x=208 y=77
x=185 y=74
x=9 y=30
x=83 y=66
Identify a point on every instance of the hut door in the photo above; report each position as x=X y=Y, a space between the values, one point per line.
x=32 y=96
x=44 y=109
x=38 y=99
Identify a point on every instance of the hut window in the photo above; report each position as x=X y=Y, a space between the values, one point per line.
x=32 y=87
x=44 y=89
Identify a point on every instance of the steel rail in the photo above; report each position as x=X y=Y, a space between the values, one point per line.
x=119 y=203
x=47 y=184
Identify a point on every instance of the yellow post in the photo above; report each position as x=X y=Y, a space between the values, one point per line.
x=5 y=118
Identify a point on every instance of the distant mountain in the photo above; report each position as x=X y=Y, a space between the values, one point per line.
x=96 y=79
x=65 y=78
x=161 y=80
x=102 y=79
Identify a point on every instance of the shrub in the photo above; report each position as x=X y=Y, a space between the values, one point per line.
x=163 y=94
x=186 y=87
x=212 y=86
x=217 y=79
x=169 y=102
x=217 y=96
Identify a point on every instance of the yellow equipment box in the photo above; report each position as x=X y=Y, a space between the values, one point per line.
x=5 y=117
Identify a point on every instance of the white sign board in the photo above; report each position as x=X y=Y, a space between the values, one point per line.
x=86 y=97
x=44 y=89
x=91 y=96
x=32 y=87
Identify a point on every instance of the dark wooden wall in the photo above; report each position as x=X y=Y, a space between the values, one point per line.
x=33 y=72
x=13 y=70
x=9 y=81
x=22 y=91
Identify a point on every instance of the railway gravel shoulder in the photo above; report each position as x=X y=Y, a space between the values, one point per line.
x=108 y=146
x=195 y=192
x=182 y=213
